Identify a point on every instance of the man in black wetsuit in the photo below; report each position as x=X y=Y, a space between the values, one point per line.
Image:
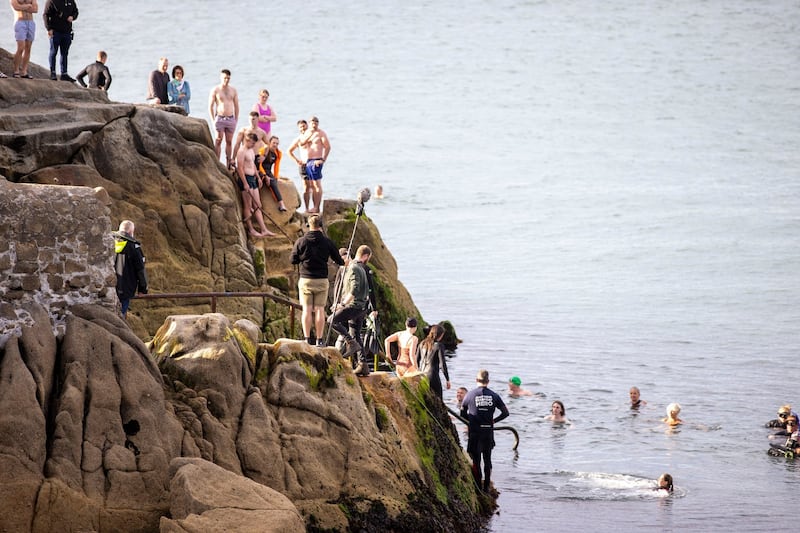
x=99 y=76
x=478 y=408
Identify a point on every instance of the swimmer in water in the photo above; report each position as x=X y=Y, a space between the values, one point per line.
x=665 y=482
x=636 y=398
x=379 y=191
x=558 y=413
x=780 y=423
x=673 y=410
x=460 y=393
x=515 y=389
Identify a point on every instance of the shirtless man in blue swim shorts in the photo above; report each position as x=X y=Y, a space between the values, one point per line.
x=223 y=107
x=24 y=32
x=318 y=149
x=248 y=182
x=302 y=126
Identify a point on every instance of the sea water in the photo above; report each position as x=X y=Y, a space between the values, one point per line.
x=597 y=195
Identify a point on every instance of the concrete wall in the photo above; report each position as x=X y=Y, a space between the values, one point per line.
x=56 y=249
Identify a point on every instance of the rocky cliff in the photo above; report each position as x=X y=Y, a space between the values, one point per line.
x=159 y=170
x=206 y=427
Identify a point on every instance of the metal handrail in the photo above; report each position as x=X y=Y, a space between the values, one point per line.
x=214 y=295
x=496 y=428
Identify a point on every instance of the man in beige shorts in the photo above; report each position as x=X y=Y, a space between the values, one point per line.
x=312 y=252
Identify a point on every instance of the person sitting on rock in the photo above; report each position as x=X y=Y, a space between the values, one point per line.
x=270 y=167
x=407 y=347
x=248 y=185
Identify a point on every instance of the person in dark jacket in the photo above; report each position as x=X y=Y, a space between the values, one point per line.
x=129 y=265
x=58 y=18
x=311 y=252
x=352 y=307
x=478 y=407
x=99 y=76
x=157 y=91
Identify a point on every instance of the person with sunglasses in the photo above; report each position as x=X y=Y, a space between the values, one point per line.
x=780 y=423
x=792 y=445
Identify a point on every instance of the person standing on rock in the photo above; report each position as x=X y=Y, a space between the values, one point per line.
x=353 y=307
x=301 y=147
x=99 y=76
x=223 y=107
x=253 y=128
x=318 y=148
x=430 y=357
x=24 y=32
x=478 y=408
x=157 y=84
x=58 y=18
x=312 y=252
x=129 y=265
x=178 y=89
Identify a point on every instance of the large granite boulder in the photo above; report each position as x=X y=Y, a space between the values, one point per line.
x=205 y=497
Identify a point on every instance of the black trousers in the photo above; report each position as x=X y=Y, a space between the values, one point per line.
x=347 y=321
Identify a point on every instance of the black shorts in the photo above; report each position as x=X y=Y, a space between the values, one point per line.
x=480 y=441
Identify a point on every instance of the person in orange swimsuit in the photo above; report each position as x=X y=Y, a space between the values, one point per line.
x=407 y=346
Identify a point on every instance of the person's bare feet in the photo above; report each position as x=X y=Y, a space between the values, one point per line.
x=267 y=233
x=254 y=233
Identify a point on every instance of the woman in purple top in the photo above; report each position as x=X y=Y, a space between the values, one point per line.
x=266 y=116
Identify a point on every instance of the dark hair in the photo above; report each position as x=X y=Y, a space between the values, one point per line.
x=302 y=121
x=561 y=405
x=175 y=68
x=225 y=71
x=411 y=322
x=668 y=479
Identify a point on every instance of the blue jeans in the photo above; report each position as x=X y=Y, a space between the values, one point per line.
x=60 y=41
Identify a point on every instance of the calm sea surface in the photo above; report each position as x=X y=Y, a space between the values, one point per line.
x=598 y=195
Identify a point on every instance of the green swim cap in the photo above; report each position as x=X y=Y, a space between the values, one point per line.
x=515 y=380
